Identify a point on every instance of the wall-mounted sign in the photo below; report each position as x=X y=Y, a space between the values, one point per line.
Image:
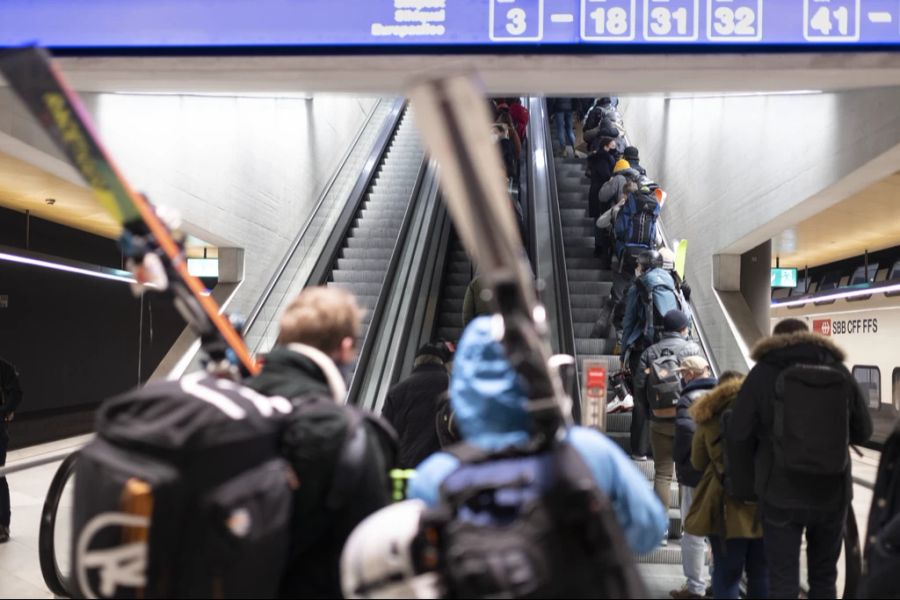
x=784 y=278
x=593 y=393
x=447 y=23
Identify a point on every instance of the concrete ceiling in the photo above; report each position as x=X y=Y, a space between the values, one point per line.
x=868 y=220
x=503 y=74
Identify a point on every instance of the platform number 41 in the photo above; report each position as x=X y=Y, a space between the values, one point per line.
x=832 y=20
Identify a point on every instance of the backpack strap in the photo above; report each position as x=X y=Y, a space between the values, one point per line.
x=351 y=462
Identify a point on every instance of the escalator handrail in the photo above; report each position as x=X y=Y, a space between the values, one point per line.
x=325 y=263
x=378 y=311
x=561 y=314
x=279 y=271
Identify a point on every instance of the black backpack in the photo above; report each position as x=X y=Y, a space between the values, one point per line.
x=811 y=432
x=183 y=493
x=729 y=458
x=663 y=382
x=529 y=524
x=882 y=553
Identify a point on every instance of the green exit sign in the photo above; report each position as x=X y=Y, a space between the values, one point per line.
x=784 y=278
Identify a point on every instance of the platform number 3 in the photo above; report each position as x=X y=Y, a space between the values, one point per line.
x=729 y=21
x=516 y=23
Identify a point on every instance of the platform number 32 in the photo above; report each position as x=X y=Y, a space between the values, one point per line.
x=516 y=23
x=734 y=22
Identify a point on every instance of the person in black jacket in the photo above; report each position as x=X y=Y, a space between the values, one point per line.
x=698 y=380
x=411 y=405
x=10 y=398
x=317 y=335
x=600 y=167
x=631 y=155
x=794 y=500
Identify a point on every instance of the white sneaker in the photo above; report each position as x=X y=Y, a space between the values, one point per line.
x=619 y=405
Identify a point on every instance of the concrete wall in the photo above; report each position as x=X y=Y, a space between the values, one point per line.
x=242 y=171
x=739 y=170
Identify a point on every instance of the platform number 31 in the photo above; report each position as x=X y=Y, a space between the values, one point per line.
x=729 y=21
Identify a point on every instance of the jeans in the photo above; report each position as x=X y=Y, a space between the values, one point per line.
x=4 y=487
x=730 y=562
x=782 y=532
x=564 y=131
x=662 y=440
x=693 y=548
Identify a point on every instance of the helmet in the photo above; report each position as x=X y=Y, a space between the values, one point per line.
x=378 y=560
x=650 y=259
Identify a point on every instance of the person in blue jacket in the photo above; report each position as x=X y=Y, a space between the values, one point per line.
x=490 y=407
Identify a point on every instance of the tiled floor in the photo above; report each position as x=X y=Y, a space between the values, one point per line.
x=20 y=573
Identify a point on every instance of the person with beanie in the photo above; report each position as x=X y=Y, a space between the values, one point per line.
x=674 y=340
x=411 y=406
x=491 y=411
x=631 y=155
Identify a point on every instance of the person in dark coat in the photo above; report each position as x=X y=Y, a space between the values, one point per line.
x=411 y=405
x=317 y=337
x=698 y=380
x=600 y=167
x=10 y=399
x=631 y=155
x=793 y=500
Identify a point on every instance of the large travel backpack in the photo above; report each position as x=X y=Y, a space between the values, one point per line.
x=636 y=222
x=520 y=524
x=811 y=431
x=882 y=558
x=183 y=494
x=656 y=300
x=664 y=384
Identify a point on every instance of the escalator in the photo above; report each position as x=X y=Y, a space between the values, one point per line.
x=458 y=272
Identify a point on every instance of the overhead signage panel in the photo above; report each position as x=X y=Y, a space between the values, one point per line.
x=395 y=24
x=784 y=278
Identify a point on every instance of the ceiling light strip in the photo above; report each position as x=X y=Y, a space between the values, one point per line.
x=46 y=264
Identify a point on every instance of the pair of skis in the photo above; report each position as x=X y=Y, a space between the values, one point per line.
x=155 y=256
x=455 y=124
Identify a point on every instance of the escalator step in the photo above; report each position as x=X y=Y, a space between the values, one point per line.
x=357 y=276
x=599 y=290
x=585 y=315
x=592 y=346
x=452 y=305
x=358 y=288
x=577 y=275
x=452 y=278
x=362 y=264
x=362 y=242
x=367 y=253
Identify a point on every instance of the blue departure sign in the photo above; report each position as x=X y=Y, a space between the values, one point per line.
x=579 y=24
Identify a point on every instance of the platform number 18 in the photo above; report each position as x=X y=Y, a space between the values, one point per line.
x=613 y=21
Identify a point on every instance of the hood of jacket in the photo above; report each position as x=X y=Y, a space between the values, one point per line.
x=709 y=405
x=487 y=395
x=798 y=346
x=656 y=277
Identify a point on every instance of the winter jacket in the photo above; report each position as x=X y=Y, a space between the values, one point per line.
x=637 y=167
x=601 y=165
x=613 y=189
x=473 y=304
x=754 y=417
x=713 y=512
x=411 y=407
x=490 y=408
x=685 y=426
x=312 y=443
x=883 y=532
x=10 y=390
x=671 y=340
x=520 y=115
x=637 y=328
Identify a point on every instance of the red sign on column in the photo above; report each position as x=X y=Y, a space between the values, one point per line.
x=594 y=396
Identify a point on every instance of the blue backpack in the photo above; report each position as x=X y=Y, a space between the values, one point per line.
x=635 y=225
x=657 y=298
x=529 y=523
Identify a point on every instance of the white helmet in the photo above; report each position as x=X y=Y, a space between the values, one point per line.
x=378 y=562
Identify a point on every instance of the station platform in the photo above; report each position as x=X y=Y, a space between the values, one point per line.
x=20 y=573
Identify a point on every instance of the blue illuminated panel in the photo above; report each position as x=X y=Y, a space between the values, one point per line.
x=447 y=23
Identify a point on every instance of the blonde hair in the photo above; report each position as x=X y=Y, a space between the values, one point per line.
x=694 y=364
x=320 y=317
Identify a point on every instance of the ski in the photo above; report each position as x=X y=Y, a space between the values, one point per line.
x=453 y=118
x=156 y=257
x=680 y=258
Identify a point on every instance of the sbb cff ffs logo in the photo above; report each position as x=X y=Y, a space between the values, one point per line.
x=830 y=327
x=822 y=326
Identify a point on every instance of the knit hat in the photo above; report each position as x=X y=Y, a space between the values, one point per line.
x=631 y=153
x=694 y=364
x=675 y=320
x=621 y=164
